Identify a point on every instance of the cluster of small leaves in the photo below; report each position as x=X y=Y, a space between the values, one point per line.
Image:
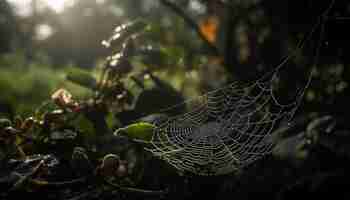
x=110 y=88
x=50 y=151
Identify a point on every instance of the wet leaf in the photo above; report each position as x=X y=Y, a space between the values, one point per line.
x=139 y=131
x=109 y=165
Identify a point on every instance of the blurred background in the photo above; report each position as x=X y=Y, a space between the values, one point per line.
x=203 y=43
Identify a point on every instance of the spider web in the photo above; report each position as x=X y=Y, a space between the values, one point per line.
x=228 y=128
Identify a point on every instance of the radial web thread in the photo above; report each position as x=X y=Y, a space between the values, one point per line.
x=227 y=129
x=230 y=127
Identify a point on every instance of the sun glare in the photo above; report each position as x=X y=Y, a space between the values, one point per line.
x=24 y=7
x=58 y=5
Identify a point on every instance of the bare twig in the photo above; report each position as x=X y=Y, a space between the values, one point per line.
x=84 y=195
x=61 y=184
x=180 y=12
x=338 y=18
x=135 y=190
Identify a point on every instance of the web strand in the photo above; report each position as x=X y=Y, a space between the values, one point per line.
x=232 y=126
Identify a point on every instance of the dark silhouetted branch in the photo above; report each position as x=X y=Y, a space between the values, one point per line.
x=136 y=190
x=180 y=12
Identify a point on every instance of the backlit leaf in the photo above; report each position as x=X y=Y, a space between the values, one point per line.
x=139 y=131
x=209 y=27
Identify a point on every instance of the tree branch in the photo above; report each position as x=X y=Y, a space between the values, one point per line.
x=190 y=22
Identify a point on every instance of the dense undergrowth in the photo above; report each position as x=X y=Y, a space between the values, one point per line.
x=59 y=143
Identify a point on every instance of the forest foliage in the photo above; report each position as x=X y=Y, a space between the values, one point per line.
x=109 y=64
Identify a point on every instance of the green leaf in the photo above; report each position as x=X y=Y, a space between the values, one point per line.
x=139 y=131
x=82 y=78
